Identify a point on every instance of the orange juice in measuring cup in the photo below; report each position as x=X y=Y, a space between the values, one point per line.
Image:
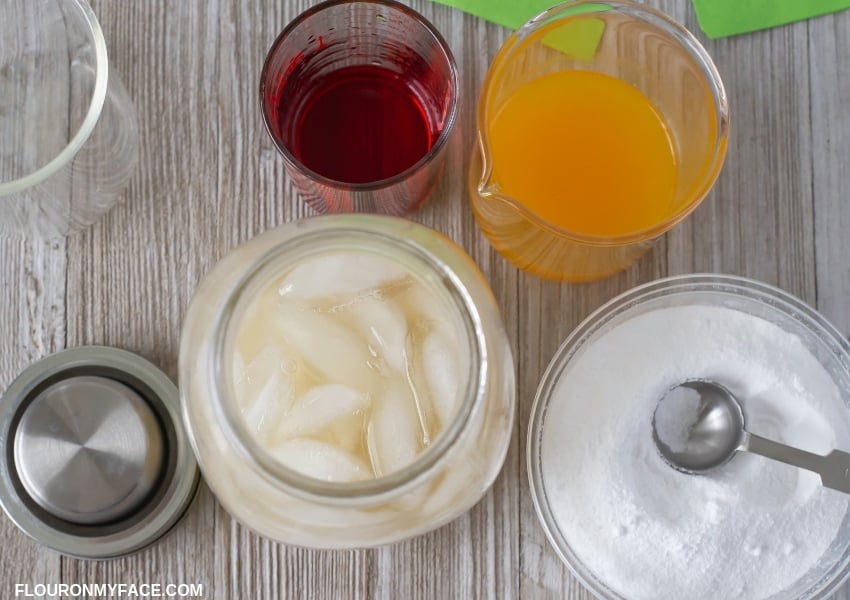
x=600 y=126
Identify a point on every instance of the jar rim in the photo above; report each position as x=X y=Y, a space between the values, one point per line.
x=92 y=115
x=428 y=462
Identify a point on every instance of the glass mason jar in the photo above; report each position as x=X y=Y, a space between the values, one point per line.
x=441 y=483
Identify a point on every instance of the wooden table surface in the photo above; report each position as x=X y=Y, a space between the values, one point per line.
x=209 y=179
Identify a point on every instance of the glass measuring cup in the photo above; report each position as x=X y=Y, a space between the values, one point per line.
x=360 y=98
x=647 y=64
x=69 y=138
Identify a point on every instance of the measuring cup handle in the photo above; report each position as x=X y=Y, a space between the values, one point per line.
x=834 y=468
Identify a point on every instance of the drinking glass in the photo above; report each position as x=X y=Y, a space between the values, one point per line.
x=328 y=124
x=650 y=53
x=68 y=131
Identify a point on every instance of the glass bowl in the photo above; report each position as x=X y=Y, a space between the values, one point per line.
x=830 y=349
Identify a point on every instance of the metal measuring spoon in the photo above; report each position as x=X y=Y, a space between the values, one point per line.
x=698 y=426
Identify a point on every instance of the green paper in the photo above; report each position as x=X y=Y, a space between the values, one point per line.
x=720 y=18
x=578 y=38
x=510 y=13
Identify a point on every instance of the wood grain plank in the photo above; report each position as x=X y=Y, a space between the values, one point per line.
x=829 y=47
x=131 y=275
x=829 y=93
x=210 y=179
x=32 y=272
x=758 y=220
x=32 y=325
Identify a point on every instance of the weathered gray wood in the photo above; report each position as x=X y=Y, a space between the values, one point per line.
x=210 y=179
x=32 y=282
x=32 y=325
x=829 y=157
x=758 y=220
x=829 y=46
x=130 y=277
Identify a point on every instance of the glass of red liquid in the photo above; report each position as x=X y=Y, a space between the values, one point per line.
x=360 y=98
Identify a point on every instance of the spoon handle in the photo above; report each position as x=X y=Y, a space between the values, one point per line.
x=834 y=468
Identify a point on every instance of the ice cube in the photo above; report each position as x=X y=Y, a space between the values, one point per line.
x=441 y=368
x=427 y=308
x=251 y=378
x=331 y=349
x=384 y=327
x=347 y=432
x=321 y=461
x=263 y=389
x=252 y=329
x=340 y=274
x=318 y=408
x=394 y=432
x=263 y=413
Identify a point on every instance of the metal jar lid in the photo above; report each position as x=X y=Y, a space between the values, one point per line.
x=94 y=460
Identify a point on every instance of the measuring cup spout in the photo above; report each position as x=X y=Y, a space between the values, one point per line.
x=487 y=188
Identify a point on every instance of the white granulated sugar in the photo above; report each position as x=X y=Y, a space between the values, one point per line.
x=675 y=417
x=746 y=531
